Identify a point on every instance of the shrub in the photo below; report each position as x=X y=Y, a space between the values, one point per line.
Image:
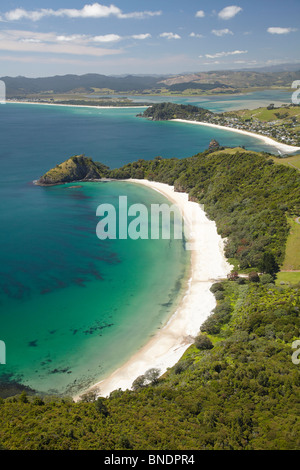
x=267 y=279
x=253 y=277
x=219 y=295
x=218 y=287
x=202 y=342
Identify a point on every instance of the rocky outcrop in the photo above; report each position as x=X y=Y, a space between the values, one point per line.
x=77 y=168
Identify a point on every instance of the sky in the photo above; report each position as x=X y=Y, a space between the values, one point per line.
x=145 y=37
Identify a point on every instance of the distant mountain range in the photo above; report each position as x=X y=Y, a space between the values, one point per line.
x=208 y=82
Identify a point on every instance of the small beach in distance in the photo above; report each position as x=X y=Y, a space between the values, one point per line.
x=267 y=140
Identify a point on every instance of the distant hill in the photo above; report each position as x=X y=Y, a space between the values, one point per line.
x=206 y=82
x=236 y=79
x=84 y=83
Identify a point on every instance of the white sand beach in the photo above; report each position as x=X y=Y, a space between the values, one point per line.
x=284 y=148
x=207 y=265
x=75 y=105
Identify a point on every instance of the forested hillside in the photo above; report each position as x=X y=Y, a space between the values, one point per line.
x=235 y=389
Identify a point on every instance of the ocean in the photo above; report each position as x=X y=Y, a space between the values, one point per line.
x=74 y=308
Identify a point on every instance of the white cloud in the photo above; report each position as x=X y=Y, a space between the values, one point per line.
x=200 y=14
x=72 y=38
x=221 y=32
x=195 y=35
x=80 y=39
x=170 y=36
x=278 y=30
x=30 y=41
x=141 y=36
x=96 y=10
x=229 y=12
x=107 y=38
x=224 y=54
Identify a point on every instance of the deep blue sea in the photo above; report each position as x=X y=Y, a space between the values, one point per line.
x=73 y=308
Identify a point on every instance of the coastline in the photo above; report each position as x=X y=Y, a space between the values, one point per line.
x=76 y=105
x=285 y=148
x=208 y=264
x=267 y=140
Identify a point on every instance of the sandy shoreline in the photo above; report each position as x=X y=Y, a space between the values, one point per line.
x=76 y=105
x=208 y=264
x=267 y=140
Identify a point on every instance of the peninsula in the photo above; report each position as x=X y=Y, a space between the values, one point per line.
x=279 y=127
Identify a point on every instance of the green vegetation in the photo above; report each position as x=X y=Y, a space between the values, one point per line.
x=241 y=394
x=76 y=168
x=292 y=254
x=245 y=193
x=288 y=278
x=167 y=111
x=293 y=162
x=282 y=124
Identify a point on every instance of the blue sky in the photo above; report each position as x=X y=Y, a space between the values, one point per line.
x=143 y=37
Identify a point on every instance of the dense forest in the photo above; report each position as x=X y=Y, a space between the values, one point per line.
x=167 y=111
x=237 y=387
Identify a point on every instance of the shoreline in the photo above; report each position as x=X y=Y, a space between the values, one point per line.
x=76 y=105
x=208 y=264
x=285 y=148
x=267 y=140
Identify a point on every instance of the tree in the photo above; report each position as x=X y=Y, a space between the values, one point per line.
x=101 y=407
x=203 y=342
x=23 y=398
x=269 y=264
x=152 y=376
x=253 y=277
x=88 y=397
x=138 y=383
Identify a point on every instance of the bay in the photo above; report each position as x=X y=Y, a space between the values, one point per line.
x=72 y=308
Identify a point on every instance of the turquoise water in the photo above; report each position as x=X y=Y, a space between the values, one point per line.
x=74 y=308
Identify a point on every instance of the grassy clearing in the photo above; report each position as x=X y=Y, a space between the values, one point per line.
x=293 y=162
x=292 y=255
x=288 y=278
x=283 y=113
x=233 y=151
